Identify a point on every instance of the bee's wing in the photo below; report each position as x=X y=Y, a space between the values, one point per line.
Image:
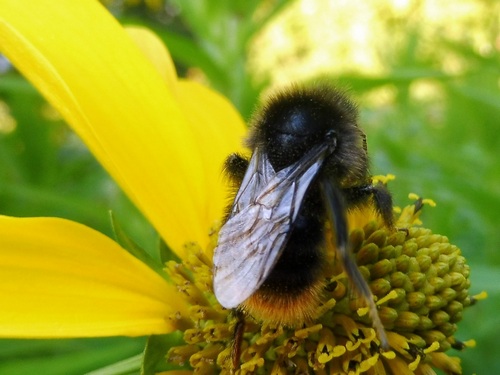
x=257 y=177
x=252 y=240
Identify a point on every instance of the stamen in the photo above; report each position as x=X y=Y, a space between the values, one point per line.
x=420 y=283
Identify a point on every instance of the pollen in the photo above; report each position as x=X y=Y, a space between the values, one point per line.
x=420 y=282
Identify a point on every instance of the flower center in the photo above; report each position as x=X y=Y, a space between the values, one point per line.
x=420 y=283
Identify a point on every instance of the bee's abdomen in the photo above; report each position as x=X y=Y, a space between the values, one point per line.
x=301 y=260
x=292 y=291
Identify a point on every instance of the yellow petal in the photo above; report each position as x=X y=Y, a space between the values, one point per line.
x=218 y=128
x=62 y=279
x=155 y=51
x=219 y=132
x=81 y=59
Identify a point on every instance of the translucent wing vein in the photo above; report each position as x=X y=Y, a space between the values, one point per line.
x=253 y=238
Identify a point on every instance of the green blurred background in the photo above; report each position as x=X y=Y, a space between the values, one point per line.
x=426 y=75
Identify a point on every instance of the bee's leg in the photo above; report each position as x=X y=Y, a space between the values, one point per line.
x=235 y=167
x=381 y=198
x=417 y=207
x=239 y=330
x=419 y=203
x=383 y=203
x=336 y=208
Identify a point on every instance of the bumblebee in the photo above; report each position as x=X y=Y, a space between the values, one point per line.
x=309 y=166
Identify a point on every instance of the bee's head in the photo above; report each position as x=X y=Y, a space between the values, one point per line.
x=297 y=119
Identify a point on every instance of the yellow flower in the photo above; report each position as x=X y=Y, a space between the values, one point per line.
x=420 y=282
x=164 y=141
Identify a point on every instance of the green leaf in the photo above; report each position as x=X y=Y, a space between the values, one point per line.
x=128 y=366
x=155 y=353
x=166 y=253
x=133 y=248
x=65 y=356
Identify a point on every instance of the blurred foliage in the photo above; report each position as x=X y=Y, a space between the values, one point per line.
x=64 y=357
x=426 y=76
